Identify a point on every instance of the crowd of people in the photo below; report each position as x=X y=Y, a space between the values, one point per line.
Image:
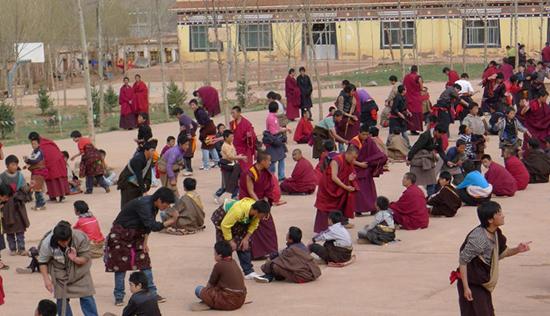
x=442 y=178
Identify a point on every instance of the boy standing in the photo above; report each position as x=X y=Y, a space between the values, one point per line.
x=14 y=214
x=88 y=224
x=37 y=167
x=338 y=245
x=225 y=289
x=230 y=167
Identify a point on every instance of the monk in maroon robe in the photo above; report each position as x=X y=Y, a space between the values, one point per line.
x=303 y=179
x=292 y=93
x=304 y=129
x=258 y=184
x=536 y=118
x=369 y=164
x=517 y=169
x=410 y=210
x=141 y=96
x=57 y=182
x=244 y=138
x=337 y=188
x=128 y=115
x=502 y=181
x=209 y=99
x=413 y=86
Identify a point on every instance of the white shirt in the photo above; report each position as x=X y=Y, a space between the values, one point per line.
x=466 y=86
x=338 y=233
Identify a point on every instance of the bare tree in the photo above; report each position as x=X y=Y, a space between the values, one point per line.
x=309 y=24
x=400 y=37
x=87 y=84
x=100 y=60
x=162 y=60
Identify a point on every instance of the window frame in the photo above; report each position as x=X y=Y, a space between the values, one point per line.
x=209 y=46
x=242 y=28
x=493 y=28
x=396 y=45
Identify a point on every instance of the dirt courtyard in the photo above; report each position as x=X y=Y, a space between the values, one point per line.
x=409 y=277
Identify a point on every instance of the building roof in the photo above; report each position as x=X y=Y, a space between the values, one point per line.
x=254 y=11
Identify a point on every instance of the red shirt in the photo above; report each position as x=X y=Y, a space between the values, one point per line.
x=82 y=142
x=452 y=78
x=546 y=54
x=90 y=226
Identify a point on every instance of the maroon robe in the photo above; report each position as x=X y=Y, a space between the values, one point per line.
x=331 y=197
x=518 y=170
x=127 y=110
x=141 y=97
x=303 y=131
x=502 y=181
x=264 y=239
x=410 y=210
x=365 y=198
x=292 y=93
x=210 y=100
x=537 y=121
x=411 y=82
x=303 y=179
x=56 y=180
x=244 y=142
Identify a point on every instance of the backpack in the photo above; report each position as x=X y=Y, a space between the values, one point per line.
x=381 y=235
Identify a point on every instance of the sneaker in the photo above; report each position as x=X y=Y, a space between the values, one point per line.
x=107 y=190
x=160 y=299
x=119 y=302
x=187 y=173
x=266 y=278
x=251 y=276
x=206 y=169
x=201 y=168
x=216 y=199
x=87 y=192
x=23 y=270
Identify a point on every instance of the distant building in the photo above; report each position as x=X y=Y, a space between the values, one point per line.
x=355 y=29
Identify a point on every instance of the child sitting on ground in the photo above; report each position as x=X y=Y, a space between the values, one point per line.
x=293 y=264
x=142 y=302
x=190 y=211
x=225 y=289
x=382 y=229
x=338 y=245
x=446 y=201
x=74 y=182
x=14 y=214
x=110 y=175
x=89 y=225
x=37 y=166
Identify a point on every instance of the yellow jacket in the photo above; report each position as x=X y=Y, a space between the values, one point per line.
x=239 y=213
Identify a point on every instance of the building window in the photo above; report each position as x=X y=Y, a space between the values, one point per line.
x=389 y=34
x=474 y=33
x=255 y=37
x=198 y=39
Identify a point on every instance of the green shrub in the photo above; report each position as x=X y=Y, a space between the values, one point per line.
x=176 y=97
x=7 y=119
x=110 y=98
x=44 y=102
x=243 y=93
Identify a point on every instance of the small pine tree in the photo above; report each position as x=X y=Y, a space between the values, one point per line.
x=110 y=99
x=43 y=101
x=95 y=103
x=176 y=97
x=7 y=119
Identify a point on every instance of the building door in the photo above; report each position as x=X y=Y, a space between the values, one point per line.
x=324 y=41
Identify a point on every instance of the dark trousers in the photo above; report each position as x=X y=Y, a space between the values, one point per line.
x=470 y=200
x=16 y=241
x=90 y=183
x=245 y=260
x=187 y=162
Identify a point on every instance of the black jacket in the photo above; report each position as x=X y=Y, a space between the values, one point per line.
x=139 y=213
x=142 y=303
x=428 y=142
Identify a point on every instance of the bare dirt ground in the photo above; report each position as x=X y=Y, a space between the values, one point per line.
x=409 y=277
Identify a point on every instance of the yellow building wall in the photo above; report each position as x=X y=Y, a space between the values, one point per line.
x=432 y=40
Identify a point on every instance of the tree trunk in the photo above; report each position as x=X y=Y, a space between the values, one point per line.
x=100 y=61
x=314 y=57
x=401 y=49
x=162 y=62
x=84 y=47
x=486 y=32
x=258 y=46
x=450 y=43
x=516 y=33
